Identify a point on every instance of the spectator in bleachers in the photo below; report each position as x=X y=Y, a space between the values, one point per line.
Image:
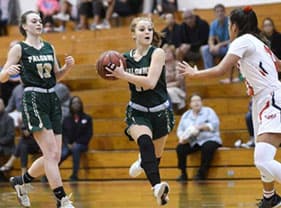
x=65 y=15
x=26 y=145
x=85 y=11
x=218 y=38
x=102 y=13
x=194 y=34
x=198 y=130
x=127 y=7
x=77 y=131
x=15 y=104
x=159 y=6
x=274 y=37
x=14 y=80
x=7 y=132
x=172 y=31
x=14 y=11
x=4 y=14
x=250 y=127
x=175 y=83
x=48 y=8
x=63 y=94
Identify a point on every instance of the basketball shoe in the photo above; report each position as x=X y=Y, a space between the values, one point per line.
x=136 y=169
x=65 y=202
x=22 y=191
x=273 y=202
x=160 y=192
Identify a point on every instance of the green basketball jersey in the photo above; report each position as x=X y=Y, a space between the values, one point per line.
x=37 y=66
x=151 y=97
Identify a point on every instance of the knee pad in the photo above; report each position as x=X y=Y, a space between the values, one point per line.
x=263 y=157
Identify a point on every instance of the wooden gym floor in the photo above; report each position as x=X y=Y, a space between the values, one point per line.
x=137 y=194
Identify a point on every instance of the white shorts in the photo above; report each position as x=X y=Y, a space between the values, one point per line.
x=267 y=113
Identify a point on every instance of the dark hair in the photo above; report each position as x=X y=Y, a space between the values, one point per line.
x=23 y=21
x=219 y=6
x=194 y=95
x=70 y=104
x=246 y=21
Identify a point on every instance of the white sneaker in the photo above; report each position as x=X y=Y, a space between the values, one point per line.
x=136 y=169
x=22 y=191
x=161 y=191
x=66 y=203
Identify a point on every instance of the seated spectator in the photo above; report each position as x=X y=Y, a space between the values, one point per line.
x=198 y=130
x=85 y=12
x=48 y=8
x=4 y=14
x=63 y=94
x=7 y=132
x=64 y=16
x=77 y=132
x=218 y=38
x=175 y=83
x=15 y=104
x=250 y=127
x=26 y=145
x=273 y=36
x=126 y=8
x=14 y=80
x=102 y=13
x=166 y=6
x=194 y=34
x=172 y=32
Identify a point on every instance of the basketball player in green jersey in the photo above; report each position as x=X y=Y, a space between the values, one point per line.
x=36 y=62
x=149 y=116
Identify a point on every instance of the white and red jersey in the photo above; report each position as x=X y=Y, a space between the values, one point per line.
x=257 y=64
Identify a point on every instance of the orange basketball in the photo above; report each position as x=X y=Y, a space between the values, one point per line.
x=106 y=59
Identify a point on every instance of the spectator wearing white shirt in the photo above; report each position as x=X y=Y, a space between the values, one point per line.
x=198 y=130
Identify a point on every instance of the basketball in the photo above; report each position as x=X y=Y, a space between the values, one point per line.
x=107 y=58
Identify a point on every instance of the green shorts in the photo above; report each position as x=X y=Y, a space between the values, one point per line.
x=42 y=110
x=160 y=123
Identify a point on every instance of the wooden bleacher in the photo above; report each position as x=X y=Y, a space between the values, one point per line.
x=110 y=152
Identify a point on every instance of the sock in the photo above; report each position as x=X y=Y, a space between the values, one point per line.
x=27 y=178
x=148 y=159
x=59 y=192
x=268 y=194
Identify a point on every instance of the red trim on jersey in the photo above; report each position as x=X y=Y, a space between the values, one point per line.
x=263 y=109
x=267 y=49
x=262 y=73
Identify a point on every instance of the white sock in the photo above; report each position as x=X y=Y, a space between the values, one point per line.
x=268 y=194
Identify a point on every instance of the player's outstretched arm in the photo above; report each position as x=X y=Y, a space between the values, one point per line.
x=224 y=66
x=61 y=72
x=11 y=67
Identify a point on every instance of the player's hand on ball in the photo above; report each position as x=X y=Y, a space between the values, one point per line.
x=185 y=69
x=115 y=71
x=69 y=61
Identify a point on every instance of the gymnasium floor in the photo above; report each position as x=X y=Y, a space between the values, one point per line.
x=137 y=194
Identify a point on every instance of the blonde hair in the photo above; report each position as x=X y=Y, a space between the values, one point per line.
x=157 y=37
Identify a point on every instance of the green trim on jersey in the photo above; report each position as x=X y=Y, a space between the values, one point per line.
x=148 y=98
x=37 y=66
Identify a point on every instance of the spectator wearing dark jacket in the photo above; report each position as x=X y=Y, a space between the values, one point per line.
x=194 y=34
x=7 y=131
x=77 y=132
x=172 y=32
